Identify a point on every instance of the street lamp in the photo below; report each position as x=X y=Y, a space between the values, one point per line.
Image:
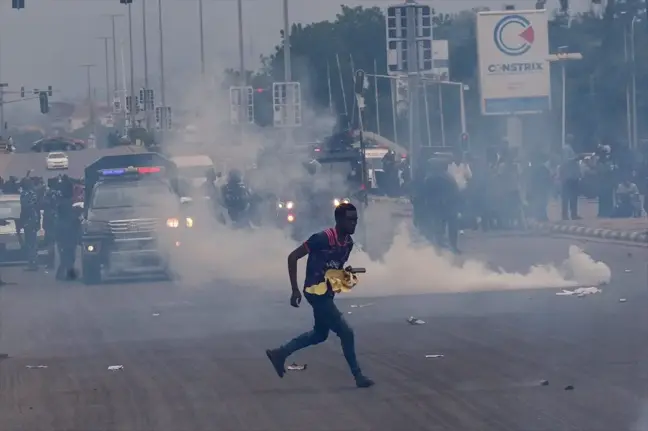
x=114 y=39
x=105 y=40
x=562 y=57
x=635 y=139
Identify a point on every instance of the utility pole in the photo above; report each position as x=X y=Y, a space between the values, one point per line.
x=242 y=77
x=90 y=98
x=146 y=73
x=114 y=47
x=202 y=40
x=105 y=39
x=132 y=66
x=290 y=105
x=162 y=85
x=2 y=90
x=413 y=86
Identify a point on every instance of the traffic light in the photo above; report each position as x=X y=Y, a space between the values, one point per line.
x=49 y=91
x=22 y=91
x=18 y=4
x=44 y=102
x=129 y=104
x=359 y=83
x=150 y=100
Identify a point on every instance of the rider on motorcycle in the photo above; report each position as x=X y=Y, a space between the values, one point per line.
x=236 y=195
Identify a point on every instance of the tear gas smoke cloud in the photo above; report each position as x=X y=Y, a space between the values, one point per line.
x=259 y=259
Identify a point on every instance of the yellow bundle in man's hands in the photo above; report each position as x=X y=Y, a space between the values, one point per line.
x=340 y=281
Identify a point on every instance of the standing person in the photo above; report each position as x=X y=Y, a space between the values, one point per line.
x=570 y=174
x=67 y=238
x=30 y=222
x=329 y=249
x=50 y=202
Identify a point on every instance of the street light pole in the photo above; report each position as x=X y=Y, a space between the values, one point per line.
x=90 y=99
x=105 y=39
x=114 y=39
x=635 y=138
x=146 y=74
x=162 y=84
x=202 y=40
x=562 y=56
x=132 y=66
x=242 y=77
x=146 y=71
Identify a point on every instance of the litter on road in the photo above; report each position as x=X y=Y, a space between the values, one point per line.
x=622 y=300
x=361 y=305
x=295 y=367
x=580 y=292
x=544 y=382
x=156 y=314
x=414 y=321
x=628 y=270
x=31 y=367
x=115 y=367
x=433 y=356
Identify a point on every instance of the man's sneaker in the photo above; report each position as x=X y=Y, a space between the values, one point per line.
x=363 y=381
x=278 y=360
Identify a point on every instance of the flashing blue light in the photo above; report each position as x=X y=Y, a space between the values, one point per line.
x=108 y=172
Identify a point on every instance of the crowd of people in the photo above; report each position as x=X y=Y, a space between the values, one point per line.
x=47 y=205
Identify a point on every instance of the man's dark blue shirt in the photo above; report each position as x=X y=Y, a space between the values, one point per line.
x=325 y=251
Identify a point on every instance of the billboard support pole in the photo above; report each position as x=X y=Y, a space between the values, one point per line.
x=412 y=87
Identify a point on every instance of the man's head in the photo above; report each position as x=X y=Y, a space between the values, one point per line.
x=346 y=218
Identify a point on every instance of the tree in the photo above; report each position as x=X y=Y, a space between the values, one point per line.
x=356 y=38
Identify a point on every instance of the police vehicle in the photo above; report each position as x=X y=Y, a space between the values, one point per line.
x=134 y=219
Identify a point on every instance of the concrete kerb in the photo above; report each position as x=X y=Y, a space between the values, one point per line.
x=632 y=236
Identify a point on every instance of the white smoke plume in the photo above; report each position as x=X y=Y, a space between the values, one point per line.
x=259 y=259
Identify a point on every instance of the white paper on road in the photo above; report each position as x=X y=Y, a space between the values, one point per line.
x=581 y=291
x=115 y=367
x=414 y=321
x=31 y=367
x=295 y=367
x=361 y=305
x=433 y=356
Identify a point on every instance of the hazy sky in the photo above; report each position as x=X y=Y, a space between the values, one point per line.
x=45 y=43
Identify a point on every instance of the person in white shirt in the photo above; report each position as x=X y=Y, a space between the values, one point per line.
x=628 y=200
x=460 y=170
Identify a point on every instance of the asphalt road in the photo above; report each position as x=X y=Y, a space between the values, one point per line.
x=19 y=163
x=194 y=358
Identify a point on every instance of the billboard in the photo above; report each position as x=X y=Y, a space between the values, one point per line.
x=441 y=60
x=513 y=51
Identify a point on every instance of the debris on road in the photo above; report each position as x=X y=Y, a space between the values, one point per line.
x=31 y=367
x=156 y=314
x=433 y=356
x=580 y=292
x=622 y=300
x=296 y=367
x=414 y=321
x=115 y=367
x=348 y=312
x=628 y=270
x=544 y=382
x=569 y=388
x=361 y=305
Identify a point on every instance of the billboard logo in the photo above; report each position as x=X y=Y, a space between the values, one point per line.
x=513 y=35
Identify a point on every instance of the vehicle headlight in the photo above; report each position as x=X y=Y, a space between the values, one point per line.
x=172 y=222
x=189 y=222
x=336 y=202
x=280 y=205
x=290 y=205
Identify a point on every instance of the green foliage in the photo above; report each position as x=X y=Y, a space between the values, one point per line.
x=596 y=85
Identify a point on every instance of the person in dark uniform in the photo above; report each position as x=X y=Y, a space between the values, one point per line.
x=326 y=250
x=67 y=238
x=50 y=203
x=30 y=222
x=441 y=197
x=236 y=196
